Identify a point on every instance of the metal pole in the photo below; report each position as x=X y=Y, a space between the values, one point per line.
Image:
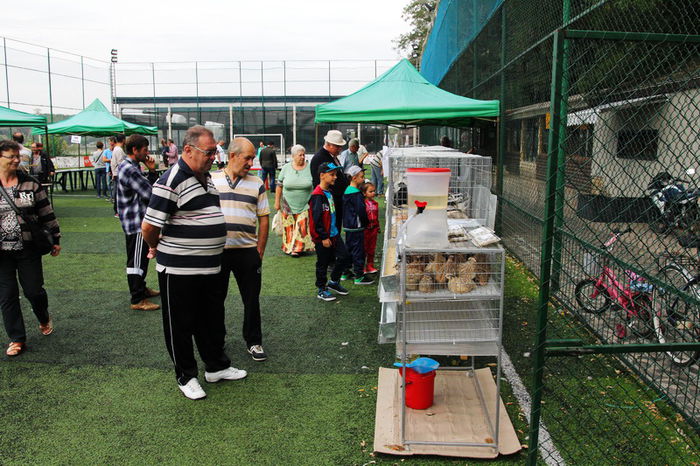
x=48 y=60
x=501 y=128
x=196 y=79
x=329 y=78
x=294 y=125
x=7 y=74
x=153 y=81
x=475 y=23
x=170 y=122
x=375 y=69
x=546 y=254
x=284 y=91
x=82 y=79
x=561 y=155
x=240 y=92
x=262 y=94
x=230 y=123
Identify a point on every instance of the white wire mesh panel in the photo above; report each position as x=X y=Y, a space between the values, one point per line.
x=453 y=322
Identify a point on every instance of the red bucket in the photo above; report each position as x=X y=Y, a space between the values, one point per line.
x=420 y=389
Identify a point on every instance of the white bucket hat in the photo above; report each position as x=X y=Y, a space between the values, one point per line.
x=334 y=137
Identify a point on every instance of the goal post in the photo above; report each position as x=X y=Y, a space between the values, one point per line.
x=265 y=137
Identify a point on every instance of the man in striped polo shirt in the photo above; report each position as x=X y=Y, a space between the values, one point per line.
x=246 y=209
x=185 y=231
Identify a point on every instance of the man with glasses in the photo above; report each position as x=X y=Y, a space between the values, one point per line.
x=186 y=232
x=247 y=213
x=133 y=195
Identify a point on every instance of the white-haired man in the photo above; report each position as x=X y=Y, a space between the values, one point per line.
x=333 y=145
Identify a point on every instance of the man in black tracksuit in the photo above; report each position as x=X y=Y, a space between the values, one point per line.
x=334 y=143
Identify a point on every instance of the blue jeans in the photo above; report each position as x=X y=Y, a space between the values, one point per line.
x=101 y=181
x=265 y=172
x=378 y=179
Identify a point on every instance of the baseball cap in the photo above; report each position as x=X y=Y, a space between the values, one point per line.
x=353 y=170
x=327 y=167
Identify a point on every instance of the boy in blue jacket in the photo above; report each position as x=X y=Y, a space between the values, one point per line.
x=324 y=232
x=354 y=223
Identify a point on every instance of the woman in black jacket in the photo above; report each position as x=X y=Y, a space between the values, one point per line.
x=18 y=256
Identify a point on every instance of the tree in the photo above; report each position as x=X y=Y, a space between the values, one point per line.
x=419 y=14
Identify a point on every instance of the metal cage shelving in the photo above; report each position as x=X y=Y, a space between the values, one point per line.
x=446 y=301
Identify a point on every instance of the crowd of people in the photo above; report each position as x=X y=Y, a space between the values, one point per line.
x=200 y=227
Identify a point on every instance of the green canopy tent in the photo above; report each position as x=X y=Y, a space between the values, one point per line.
x=15 y=118
x=401 y=96
x=96 y=120
x=9 y=117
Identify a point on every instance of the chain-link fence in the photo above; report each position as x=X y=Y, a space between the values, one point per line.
x=229 y=97
x=597 y=148
x=245 y=97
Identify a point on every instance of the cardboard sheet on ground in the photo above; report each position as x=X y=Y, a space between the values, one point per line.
x=456 y=416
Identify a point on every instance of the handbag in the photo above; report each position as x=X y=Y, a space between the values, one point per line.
x=41 y=236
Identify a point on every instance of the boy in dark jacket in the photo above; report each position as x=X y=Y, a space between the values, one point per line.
x=325 y=234
x=354 y=223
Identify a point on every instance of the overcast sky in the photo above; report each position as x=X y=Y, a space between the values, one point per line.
x=159 y=30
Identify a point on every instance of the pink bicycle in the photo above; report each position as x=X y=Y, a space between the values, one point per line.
x=602 y=292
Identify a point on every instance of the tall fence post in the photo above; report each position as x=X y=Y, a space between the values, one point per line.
x=561 y=154
x=153 y=82
x=48 y=61
x=501 y=151
x=196 y=83
x=262 y=94
x=546 y=254
x=7 y=73
x=82 y=79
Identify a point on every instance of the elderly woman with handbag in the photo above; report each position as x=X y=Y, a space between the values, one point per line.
x=292 y=195
x=28 y=229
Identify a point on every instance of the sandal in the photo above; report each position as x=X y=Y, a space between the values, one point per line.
x=47 y=328
x=15 y=348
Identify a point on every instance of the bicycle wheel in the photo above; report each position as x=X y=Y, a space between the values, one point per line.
x=676 y=320
x=584 y=296
x=641 y=324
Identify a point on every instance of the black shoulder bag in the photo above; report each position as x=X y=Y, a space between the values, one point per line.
x=41 y=236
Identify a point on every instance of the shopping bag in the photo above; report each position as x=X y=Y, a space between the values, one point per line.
x=277 y=223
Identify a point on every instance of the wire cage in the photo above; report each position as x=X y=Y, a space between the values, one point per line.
x=469 y=193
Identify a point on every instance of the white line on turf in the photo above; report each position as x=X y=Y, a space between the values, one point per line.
x=549 y=452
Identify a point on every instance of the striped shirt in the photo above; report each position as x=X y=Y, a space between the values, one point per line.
x=243 y=200
x=192 y=225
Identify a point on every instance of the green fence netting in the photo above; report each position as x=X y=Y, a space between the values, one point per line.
x=595 y=152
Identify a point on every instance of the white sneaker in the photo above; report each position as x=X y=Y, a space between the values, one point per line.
x=192 y=390
x=230 y=373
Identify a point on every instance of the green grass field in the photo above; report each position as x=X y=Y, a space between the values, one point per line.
x=101 y=389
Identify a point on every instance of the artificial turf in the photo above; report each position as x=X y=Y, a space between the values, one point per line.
x=101 y=389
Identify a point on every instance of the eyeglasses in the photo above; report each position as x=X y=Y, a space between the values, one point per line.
x=10 y=157
x=208 y=153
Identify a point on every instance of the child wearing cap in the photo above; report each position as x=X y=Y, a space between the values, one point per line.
x=325 y=234
x=355 y=222
x=372 y=230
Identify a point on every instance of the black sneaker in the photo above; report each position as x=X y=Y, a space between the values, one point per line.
x=337 y=287
x=363 y=280
x=257 y=353
x=347 y=275
x=325 y=295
